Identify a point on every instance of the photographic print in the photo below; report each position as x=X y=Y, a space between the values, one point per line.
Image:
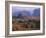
x=24 y=19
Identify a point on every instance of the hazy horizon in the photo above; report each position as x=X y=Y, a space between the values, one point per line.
x=25 y=11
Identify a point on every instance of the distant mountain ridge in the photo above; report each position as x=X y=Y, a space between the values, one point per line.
x=36 y=12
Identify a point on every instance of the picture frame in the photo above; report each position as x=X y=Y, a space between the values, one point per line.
x=8 y=13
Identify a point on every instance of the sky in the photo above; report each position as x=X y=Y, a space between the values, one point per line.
x=25 y=11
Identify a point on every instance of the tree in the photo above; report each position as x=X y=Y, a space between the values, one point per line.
x=36 y=12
